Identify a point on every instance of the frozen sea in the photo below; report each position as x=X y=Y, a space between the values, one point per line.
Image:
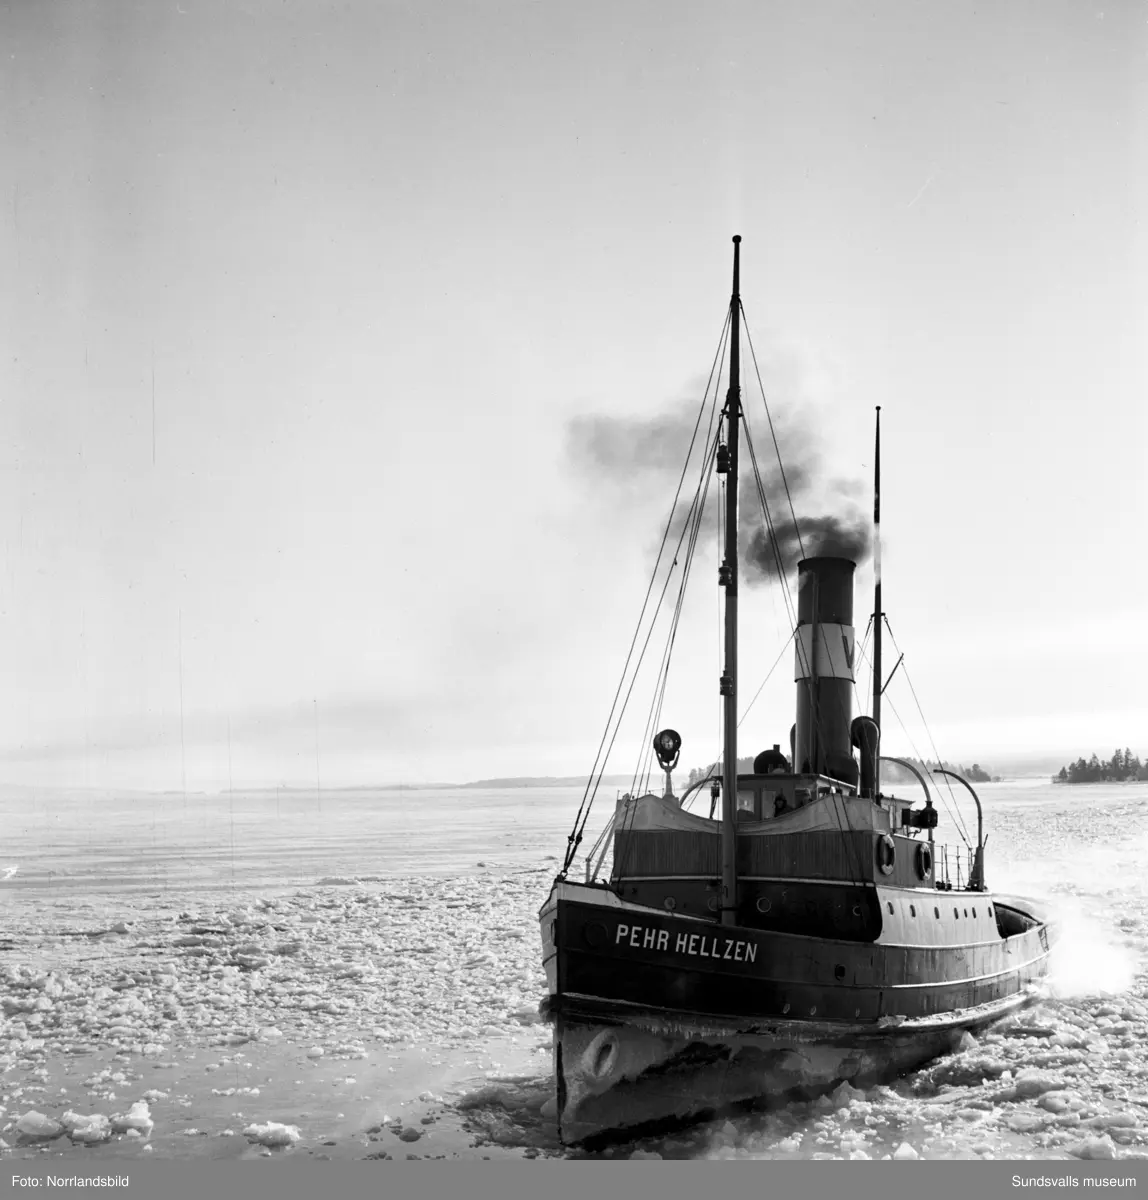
x=356 y=974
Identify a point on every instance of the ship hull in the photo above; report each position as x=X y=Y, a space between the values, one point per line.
x=663 y=1017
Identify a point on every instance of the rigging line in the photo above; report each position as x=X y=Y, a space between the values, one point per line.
x=953 y=811
x=708 y=772
x=775 y=548
x=868 y=630
x=790 y=615
x=802 y=655
x=693 y=514
x=719 y=354
x=693 y=524
x=861 y=654
x=772 y=432
x=654 y=717
x=576 y=835
x=864 y=647
x=694 y=521
x=913 y=690
x=771 y=528
x=771 y=670
x=760 y=487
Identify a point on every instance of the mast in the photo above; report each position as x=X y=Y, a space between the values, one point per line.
x=729 y=575
x=878 y=615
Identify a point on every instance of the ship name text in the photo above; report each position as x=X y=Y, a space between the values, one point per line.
x=698 y=945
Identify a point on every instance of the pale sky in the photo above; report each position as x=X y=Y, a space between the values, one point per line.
x=378 y=256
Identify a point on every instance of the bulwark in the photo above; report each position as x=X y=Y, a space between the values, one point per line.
x=697 y=945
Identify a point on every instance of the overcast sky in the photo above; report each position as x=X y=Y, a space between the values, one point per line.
x=300 y=301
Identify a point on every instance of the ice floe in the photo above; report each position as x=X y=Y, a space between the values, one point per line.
x=160 y=1015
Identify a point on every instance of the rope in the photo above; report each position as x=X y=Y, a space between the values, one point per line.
x=599 y=767
x=954 y=812
x=766 y=679
x=772 y=434
x=576 y=837
x=693 y=522
x=913 y=690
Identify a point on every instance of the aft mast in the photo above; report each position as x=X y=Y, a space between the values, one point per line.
x=729 y=578
x=878 y=615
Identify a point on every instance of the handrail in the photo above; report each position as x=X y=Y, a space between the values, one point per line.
x=977 y=874
x=901 y=762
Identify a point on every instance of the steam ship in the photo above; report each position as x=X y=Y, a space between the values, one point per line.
x=814 y=933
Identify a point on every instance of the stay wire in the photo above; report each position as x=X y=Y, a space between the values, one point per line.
x=694 y=520
x=818 y=719
x=692 y=526
x=773 y=434
x=953 y=811
x=598 y=769
x=908 y=679
x=577 y=837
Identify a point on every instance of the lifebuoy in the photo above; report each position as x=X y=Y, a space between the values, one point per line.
x=886 y=854
x=924 y=860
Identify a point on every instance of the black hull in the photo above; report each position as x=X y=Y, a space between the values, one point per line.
x=662 y=1016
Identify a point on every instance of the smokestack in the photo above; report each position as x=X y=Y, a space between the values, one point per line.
x=824 y=668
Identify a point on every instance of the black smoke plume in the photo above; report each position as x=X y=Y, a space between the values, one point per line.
x=645 y=456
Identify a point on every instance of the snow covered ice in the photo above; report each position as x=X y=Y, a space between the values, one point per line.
x=358 y=987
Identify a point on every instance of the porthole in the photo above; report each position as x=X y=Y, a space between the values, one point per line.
x=857 y=909
x=839 y=972
x=670 y=903
x=956 y=912
x=813 y=1011
x=967 y=912
x=890 y=903
x=937 y=913
x=990 y=910
x=785 y=1007
x=912 y=910
x=763 y=904
x=711 y=904
x=974 y=910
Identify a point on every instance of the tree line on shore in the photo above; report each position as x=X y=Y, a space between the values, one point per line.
x=1122 y=766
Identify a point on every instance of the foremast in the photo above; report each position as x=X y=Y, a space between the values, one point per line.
x=728 y=576
x=878 y=614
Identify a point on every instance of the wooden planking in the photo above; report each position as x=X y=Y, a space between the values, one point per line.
x=820 y=854
x=816 y=855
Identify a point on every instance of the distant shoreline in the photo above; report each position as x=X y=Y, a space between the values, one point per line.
x=294 y=790
x=515 y=781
